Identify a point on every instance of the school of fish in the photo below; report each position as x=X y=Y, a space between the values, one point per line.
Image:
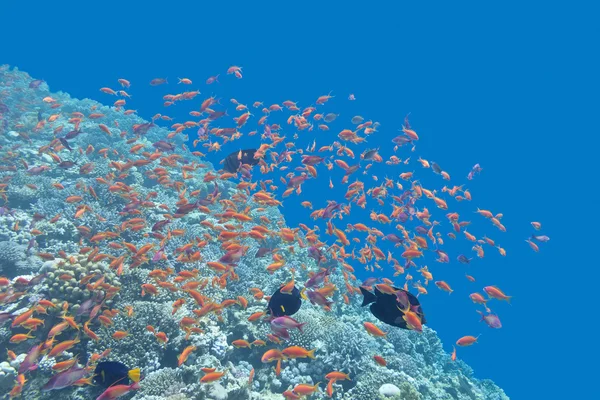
x=294 y=147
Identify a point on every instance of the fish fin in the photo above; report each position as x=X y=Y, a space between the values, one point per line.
x=368 y=297
x=300 y=326
x=311 y=354
x=303 y=294
x=134 y=374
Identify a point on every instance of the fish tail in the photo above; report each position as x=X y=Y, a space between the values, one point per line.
x=311 y=354
x=134 y=374
x=300 y=326
x=368 y=297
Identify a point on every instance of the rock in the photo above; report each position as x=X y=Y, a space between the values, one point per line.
x=389 y=390
x=217 y=392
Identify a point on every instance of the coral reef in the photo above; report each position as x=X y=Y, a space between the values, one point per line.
x=417 y=366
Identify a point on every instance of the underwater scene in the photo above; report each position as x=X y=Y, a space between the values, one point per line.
x=131 y=266
x=285 y=200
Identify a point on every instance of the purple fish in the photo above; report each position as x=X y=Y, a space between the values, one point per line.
x=211 y=198
x=402 y=217
x=142 y=129
x=73 y=134
x=331 y=208
x=296 y=181
x=392 y=237
x=369 y=154
x=262 y=251
x=317 y=278
x=4 y=317
x=540 y=238
x=38 y=170
x=402 y=300
x=65 y=379
x=317 y=298
x=29 y=362
x=436 y=168
x=36 y=280
x=186 y=208
x=35 y=83
x=491 y=320
x=3 y=108
x=401 y=140
x=315 y=253
x=474 y=171
x=233 y=256
x=312 y=160
x=158 y=255
x=87 y=305
x=442 y=256
x=280 y=332
x=163 y=145
x=369 y=282
x=157 y=227
x=463 y=259
x=158 y=81
x=133 y=205
x=421 y=230
x=216 y=115
x=66 y=164
x=286 y=322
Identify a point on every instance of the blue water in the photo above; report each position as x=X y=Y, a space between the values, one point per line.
x=513 y=87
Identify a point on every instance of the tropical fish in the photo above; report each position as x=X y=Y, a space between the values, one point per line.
x=385 y=307
x=108 y=373
x=283 y=304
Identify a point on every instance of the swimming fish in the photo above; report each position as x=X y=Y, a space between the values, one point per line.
x=232 y=162
x=108 y=373
x=282 y=304
x=385 y=307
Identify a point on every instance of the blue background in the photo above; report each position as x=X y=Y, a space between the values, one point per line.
x=511 y=86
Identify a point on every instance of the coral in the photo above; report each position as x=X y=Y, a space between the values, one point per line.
x=7 y=377
x=10 y=254
x=57 y=287
x=417 y=364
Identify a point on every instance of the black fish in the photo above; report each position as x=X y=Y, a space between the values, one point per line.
x=282 y=304
x=108 y=373
x=385 y=307
x=64 y=142
x=232 y=164
x=73 y=134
